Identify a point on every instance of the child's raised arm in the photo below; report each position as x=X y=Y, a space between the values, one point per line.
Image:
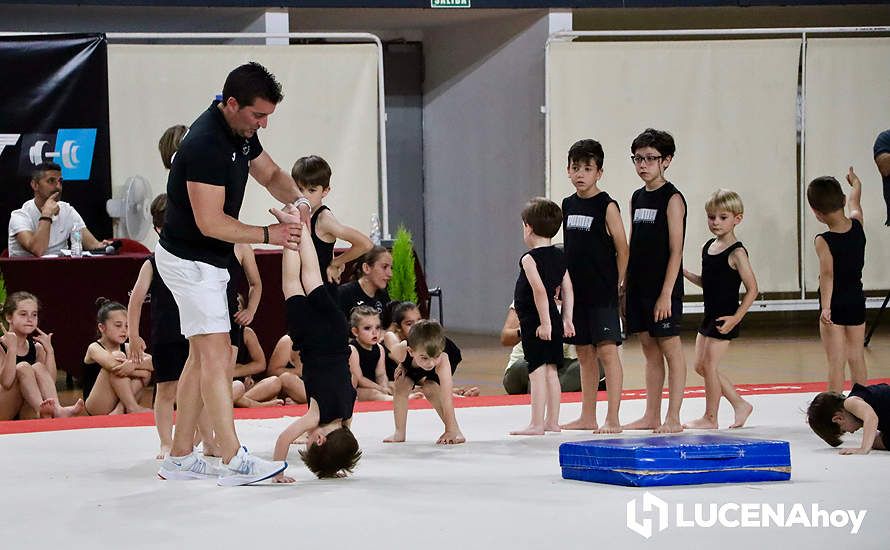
x=863 y=411
x=328 y=224
x=855 y=201
x=826 y=277
x=540 y=295
x=616 y=229
x=134 y=311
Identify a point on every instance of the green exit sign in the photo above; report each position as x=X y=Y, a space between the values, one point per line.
x=449 y=3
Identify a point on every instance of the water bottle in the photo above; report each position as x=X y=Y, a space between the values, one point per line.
x=76 y=243
x=375 y=229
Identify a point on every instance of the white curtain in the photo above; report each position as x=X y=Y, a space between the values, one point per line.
x=731 y=107
x=329 y=109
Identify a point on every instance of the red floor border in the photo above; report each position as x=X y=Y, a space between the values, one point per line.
x=147 y=419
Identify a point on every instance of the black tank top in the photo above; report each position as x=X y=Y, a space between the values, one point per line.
x=847 y=257
x=164 y=312
x=650 y=242
x=878 y=397
x=720 y=282
x=590 y=250
x=324 y=250
x=29 y=357
x=551 y=266
x=367 y=359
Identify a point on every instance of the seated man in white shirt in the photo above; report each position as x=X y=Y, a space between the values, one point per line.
x=43 y=224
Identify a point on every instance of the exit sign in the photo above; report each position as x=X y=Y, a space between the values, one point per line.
x=449 y=3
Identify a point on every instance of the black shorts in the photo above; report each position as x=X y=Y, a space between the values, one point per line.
x=848 y=314
x=168 y=359
x=539 y=352
x=594 y=325
x=708 y=327
x=640 y=312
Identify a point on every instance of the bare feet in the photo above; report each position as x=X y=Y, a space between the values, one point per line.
x=610 y=427
x=451 y=438
x=642 y=424
x=289 y=401
x=552 y=428
x=703 y=423
x=529 y=430
x=165 y=450
x=248 y=403
x=118 y=409
x=469 y=391
x=139 y=410
x=741 y=414
x=395 y=438
x=47 y=408
x=669 y=427
x=580 y=424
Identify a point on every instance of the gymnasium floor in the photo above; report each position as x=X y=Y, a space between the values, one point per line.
x=97 y=488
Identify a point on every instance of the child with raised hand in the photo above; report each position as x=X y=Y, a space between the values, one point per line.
x=319 y=329
x=841 y=252
x=121 y=381
x=831 y=415
x=542 y=276
x=423 y=361
x=654 y=283
x=724 y=266
x=313 y=176
x=366 y=356
x=27 y=353
x=596 y=255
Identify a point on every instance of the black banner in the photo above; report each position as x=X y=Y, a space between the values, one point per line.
x=55 y=109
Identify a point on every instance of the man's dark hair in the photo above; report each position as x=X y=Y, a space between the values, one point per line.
x=543 y=216
x=38 y=171
x=825 y=195
x=312 y=171
x=820 y=416
x=249 y=82
x=337 y=457
x=659 y=140
x=587 y=150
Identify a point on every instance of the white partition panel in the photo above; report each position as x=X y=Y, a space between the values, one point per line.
x=848 y=104
x=731 y=107
x=329 y=108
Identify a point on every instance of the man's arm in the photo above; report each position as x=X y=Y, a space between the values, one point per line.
x=510 y=335
x=207 y=206
x=37 y=241
x=278 y=182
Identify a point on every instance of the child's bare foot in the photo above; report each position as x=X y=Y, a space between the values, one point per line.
x=248 y=403
x=139 y=410
x=281 y=478
x=741 y=414
x=289 y=401
x=529 y=430
x=48 y=408
x=642 y=424
x=118 y=409
x=470 y=391
x=165 y=450
x=415 y=395
x=395 y=438
x=451 y=438
x=248 y=382
x=669 y=427
x=552 y=428
x=580 y=424
x=72 y=410
x=610 y=427
x=703 y=423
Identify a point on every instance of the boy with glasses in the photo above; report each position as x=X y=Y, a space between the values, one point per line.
x=654 y=295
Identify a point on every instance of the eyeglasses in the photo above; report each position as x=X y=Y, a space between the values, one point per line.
x=649 y=159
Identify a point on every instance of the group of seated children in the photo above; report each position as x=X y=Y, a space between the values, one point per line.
x=578 y=295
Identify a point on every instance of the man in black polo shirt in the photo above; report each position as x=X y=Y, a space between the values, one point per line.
x=204 y=194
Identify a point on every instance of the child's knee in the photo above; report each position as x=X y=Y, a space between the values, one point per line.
x=24 y=369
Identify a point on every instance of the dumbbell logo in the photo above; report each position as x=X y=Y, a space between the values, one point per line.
x=67 y=156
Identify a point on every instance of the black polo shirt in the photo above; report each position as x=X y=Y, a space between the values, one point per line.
x=210 y=153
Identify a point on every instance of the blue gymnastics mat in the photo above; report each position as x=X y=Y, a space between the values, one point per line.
x=676 y=460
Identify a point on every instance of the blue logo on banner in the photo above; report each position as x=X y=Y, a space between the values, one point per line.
x=72 y=150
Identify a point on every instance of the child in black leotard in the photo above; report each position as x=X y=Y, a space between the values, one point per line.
x=319 y=329
x=28 y=363
x=725 y=266
x=868 y=407
x=543 y=275
x=120 y=383
x=841 y=252
x=366 y=356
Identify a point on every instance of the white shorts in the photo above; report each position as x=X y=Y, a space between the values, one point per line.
x=199 y=290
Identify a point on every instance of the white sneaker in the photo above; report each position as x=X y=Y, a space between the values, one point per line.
x=190 y=466
x=245 y=469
